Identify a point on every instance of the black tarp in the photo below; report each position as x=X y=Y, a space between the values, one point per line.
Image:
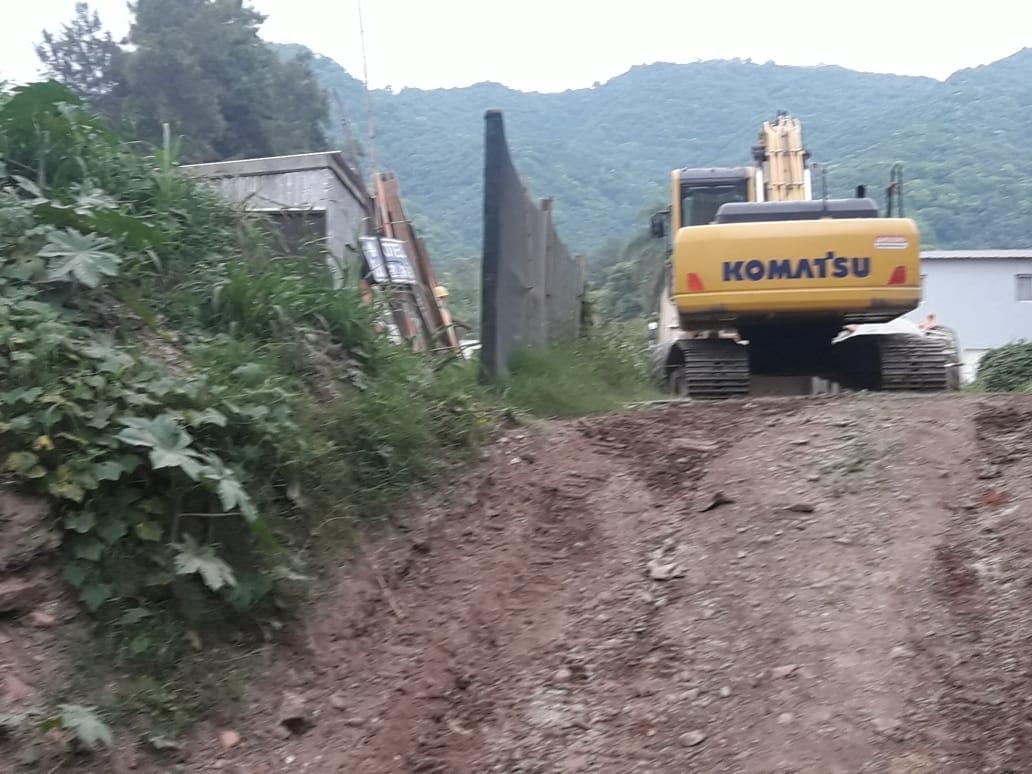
x=532 y=288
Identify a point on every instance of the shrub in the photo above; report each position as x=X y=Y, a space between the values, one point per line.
x=1007 y=368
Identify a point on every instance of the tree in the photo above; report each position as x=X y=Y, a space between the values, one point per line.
x=200 y=66
x=300 y=105
x=84 y=57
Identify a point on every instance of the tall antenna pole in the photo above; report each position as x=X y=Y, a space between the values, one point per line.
x=369 y=97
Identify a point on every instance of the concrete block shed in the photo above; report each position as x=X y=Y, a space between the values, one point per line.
x=984 y=295
x=309 y=194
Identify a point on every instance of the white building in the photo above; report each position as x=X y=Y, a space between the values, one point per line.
x=984 y=295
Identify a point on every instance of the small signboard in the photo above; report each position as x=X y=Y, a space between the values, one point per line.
x=387 y=261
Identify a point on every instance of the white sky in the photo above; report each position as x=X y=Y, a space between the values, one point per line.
x=551 y=45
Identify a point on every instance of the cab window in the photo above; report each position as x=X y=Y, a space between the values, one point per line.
x=699 y=204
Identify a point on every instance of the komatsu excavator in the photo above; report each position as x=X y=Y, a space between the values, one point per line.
x=764 y=281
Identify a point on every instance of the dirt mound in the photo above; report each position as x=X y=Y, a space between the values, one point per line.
x=33 y=606
x=979 y=656
x=27 y=532
x=860 y=600
x=667 y=446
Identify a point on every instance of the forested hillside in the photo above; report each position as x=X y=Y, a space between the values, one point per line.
x=604 y=153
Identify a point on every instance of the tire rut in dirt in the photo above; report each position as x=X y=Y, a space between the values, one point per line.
x=668 y=447
x=983 y=662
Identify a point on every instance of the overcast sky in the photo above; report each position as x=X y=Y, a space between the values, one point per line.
x=551 y=45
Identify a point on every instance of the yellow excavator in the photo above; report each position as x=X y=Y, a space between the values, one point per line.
x=765 y=282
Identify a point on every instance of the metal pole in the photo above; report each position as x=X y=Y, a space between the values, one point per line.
x=369 y=96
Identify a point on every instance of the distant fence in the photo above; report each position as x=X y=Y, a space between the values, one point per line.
x=532 y=288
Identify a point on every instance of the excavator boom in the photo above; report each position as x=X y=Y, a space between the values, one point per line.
x=783 y=160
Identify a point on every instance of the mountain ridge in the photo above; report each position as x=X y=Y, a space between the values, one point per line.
x=604 y=152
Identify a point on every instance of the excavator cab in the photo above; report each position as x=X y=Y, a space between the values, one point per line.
x=698 y=195
x=702 y=192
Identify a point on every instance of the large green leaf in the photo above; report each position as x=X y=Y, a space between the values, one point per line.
x=76 y=573
x=168 y=442
x=21 y=396
x=109 y=358
x=131 y=230
x=28 y=101
x=80 y=521
x=232 y=495
x=20 y=462
x=112 y=529
x=229 y=489
x=84 y=257
x=88 y=199
x=94 y=595
x=251 y=588
x=66 y=486
x=209 y=416
x=88 y=729
x=195 y=558
x=108 y=470
x=88 y=548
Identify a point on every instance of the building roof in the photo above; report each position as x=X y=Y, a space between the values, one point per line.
x=948 y=255
x=272 y=165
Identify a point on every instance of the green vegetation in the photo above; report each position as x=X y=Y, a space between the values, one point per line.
x=601 y=372
x=629 y=277
x=606 y=152
x=205 y=414
x=199 y=66
x=1007 y=368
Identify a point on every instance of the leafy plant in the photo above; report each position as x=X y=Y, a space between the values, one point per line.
x=84 y=257
x=86 y=728
x=195 y=406
x=193 y=558
x=169 y=443
x=82 y=723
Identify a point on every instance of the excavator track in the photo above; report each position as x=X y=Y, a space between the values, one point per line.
x=913 y=363
x=712 y=369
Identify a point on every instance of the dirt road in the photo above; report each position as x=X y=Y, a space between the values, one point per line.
x=789 y=585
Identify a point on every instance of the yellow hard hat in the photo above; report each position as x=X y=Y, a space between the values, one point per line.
x=440 y=292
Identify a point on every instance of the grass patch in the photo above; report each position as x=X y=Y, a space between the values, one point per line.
x=592 y=375
x=160 y=697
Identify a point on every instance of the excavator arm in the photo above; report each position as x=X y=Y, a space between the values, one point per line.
x=782 y=162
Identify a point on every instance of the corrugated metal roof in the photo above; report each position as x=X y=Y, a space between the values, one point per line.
x=946 y=255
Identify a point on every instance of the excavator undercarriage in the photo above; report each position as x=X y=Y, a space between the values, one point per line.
x=717 y=367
